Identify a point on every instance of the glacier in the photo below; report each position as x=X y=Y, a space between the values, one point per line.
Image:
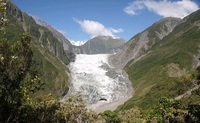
x=97 y=81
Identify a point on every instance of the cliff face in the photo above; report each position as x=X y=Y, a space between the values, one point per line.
x=144 y=42
x=49 y=53
x=59 y=36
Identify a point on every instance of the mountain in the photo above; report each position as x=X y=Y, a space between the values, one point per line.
x=99 y=44
x=142 y=43
x=59 y=36
x=102 y=45
x=156 y=60
x=49 y=55
x=159 y=58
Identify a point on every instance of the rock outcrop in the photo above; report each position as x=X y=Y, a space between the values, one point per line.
x=144 y=42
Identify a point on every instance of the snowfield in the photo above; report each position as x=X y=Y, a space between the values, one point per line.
x=97 y=81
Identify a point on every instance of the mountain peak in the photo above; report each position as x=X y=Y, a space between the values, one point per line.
x=107 y=37
x=58 y=35
x=102 y=44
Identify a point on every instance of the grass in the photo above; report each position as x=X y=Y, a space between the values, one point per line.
x=50 y=60
x=149 y=75
x=52 y=72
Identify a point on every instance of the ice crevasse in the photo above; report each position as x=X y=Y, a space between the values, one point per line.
x=96 y=80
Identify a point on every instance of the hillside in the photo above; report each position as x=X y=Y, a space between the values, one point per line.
x=142 y=43
x=159 y=70
x=65 y=42
x=49 y=54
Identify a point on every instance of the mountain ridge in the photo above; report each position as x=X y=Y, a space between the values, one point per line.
x=61 y=38
x=159 y=72
x=154 y=59
x=142 y=42
x=102 y=45
x=48 y=51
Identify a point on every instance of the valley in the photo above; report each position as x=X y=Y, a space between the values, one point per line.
x=116 y=75
x=99 y=83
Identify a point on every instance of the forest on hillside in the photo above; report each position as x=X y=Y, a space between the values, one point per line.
x=19 y=80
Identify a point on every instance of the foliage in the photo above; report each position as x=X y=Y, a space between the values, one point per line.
x=48 y=57
x=171 y=111
x=133 y=115
x=14 y=67
x=51 y=110
x=110 y=116
x=164 y=110
x=19 y=79
x=18 y=82
x=194 y=112
x=187 y=110
x=149 y=75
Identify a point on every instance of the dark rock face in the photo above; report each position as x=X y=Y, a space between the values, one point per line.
x=72 y=57
x=65 y=91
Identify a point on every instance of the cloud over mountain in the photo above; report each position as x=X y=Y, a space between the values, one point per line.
x=95 y=28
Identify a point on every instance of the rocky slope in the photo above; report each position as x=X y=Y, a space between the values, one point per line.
x=142 y=43
x=102 y=45
x=159 y=58
x=49 y=54
x=66 y=43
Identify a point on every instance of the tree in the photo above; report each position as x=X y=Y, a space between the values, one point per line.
x=18 y=80
x=166 y=111
x=15 y=81
x=132 y=115
x=194 y=112
x=110 y=116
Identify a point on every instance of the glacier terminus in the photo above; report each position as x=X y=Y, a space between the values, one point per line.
x=97 y=81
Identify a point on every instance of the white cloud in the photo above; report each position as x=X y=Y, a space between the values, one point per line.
x=163 y=8
x=116 y=30
x=95 y=28
x=133 y=7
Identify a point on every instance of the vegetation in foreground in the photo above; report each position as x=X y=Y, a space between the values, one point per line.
x=48 y=53
x=166 y=110
x=19 y=80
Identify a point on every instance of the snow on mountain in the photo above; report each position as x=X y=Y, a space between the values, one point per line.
x=78 y=43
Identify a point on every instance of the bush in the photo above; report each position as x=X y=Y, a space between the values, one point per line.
x=110 y=116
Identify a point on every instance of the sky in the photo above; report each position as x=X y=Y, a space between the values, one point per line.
x=81 y=20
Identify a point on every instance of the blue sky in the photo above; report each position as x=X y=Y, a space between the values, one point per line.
x=80 y=20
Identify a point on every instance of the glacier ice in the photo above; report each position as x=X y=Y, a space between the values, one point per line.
x=96 y=80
